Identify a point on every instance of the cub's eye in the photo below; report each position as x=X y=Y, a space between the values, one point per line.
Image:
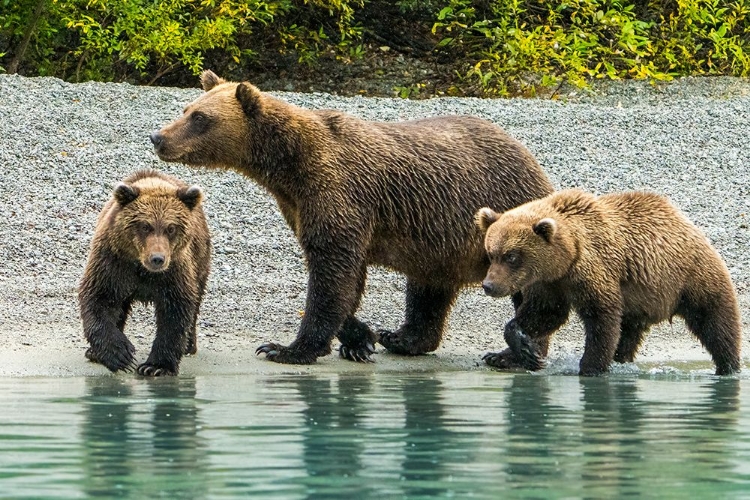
x=145 y=227
x=171 y=230
x=512 y=258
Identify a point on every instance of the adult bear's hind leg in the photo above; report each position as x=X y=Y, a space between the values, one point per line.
x=426 y=310
x=357 y=339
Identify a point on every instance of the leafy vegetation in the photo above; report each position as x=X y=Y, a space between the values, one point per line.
x=516 y=45
x=488 y=47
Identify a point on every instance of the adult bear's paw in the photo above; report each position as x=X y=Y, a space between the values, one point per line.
x=357 y=341
x=407 y=341
x=362 y=353
x=287 y=355
x=152 y=370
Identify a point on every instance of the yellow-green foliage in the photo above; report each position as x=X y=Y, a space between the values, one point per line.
x=517 y=45
x=496 y=47
x=120 y=39
x=158 y=35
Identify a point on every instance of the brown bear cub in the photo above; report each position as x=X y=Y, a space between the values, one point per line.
x=358 y=193
x=151 y=245
x=623 y=262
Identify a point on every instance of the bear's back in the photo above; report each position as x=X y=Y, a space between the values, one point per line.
x=663 y=252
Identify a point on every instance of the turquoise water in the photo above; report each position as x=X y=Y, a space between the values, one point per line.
x=662 y=434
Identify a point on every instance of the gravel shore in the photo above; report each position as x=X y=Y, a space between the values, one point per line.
x=64 y=146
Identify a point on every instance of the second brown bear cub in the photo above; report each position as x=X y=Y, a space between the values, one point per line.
x=151 y=245
x=623 y=262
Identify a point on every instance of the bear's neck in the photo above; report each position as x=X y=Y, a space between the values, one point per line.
x=285 y=149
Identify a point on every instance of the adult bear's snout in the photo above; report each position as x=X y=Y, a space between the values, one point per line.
x=156 y=138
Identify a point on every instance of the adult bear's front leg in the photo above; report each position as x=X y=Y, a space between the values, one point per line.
x=332 y=292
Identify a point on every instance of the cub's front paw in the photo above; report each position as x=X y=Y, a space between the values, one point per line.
x=287 y=355
x=525 y=350
x=116 y=356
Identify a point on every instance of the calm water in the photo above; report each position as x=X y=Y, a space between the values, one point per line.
x=458 y=435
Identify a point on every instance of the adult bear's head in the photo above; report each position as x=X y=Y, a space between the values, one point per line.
x=215 y=129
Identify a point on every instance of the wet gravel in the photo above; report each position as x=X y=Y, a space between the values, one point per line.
x=64 y=146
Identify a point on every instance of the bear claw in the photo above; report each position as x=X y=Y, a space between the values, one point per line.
x=270 y=349
x=523 y=347
x=287 y=355
x=388 y=338
x=149 y=370
x=503 y=360
x=361 y=355
x=404 y=341
x=394 y=342
x=119 y=361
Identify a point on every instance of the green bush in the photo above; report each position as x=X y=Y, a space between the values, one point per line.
x=142 y=40
x=516 y=45
x=490 y=47
x=156 y=36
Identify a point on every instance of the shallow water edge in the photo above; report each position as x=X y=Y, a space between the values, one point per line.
x=655 y=433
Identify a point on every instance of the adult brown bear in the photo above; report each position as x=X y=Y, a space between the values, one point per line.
x=400 y=195
x=623 y=261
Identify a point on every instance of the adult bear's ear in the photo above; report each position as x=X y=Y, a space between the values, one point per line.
x=209 y=80
x=546 y=228
x=485 y=217
x=190 y=196
x=249 y=97
x=125 y=194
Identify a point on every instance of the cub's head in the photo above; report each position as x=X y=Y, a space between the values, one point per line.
x=214 y=129
x=524 y=247
x=153 y=220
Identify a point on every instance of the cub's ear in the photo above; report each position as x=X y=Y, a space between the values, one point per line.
x=249 y=97
x=190 y=196
x=546 y=228
x=209 y=80
x=124 y=194
x=485 y=217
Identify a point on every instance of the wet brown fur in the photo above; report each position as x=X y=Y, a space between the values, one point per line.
x=151 y=245
x=358 y=193
x=623 y=262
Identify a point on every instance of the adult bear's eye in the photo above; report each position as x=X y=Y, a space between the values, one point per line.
x=512 y=258
x=145 y=227
x=171 y=230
